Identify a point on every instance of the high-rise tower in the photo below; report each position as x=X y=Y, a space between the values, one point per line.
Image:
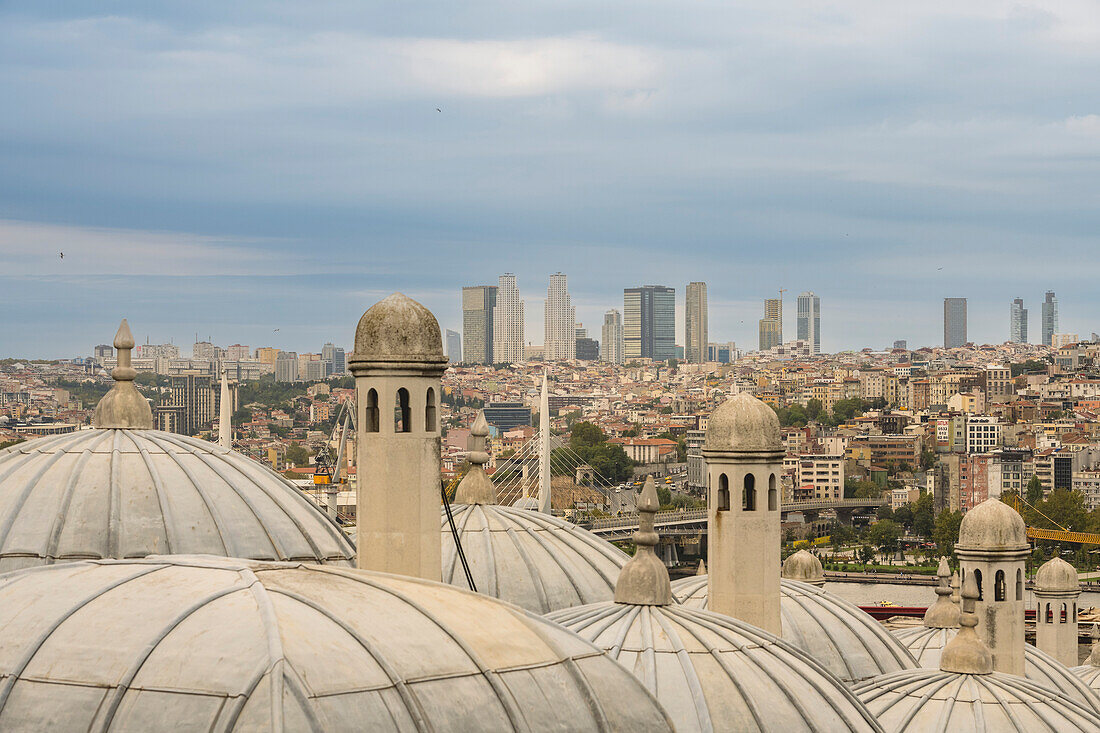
x=771 y=325
x=1050 y=318
x=1017 y=322
x=649 y=322
x=508 y=321
x=561 y=321
x=612 y=334
x=695 y=323
x=954 y=322
x=478 y=308
x=809 y=320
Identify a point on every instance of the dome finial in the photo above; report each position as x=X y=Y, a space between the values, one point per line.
x=475 y=487
x=123 y=406
x=644 y=580
x=943 y=614
x=956 y=597
x=966 y=653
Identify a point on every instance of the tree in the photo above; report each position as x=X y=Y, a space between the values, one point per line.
x=813 y=409
x=297 y=455
x=924 y=521
x=903 y=515
x=927 y=459
x=585 y=434
x=946 y=531
x=664 y=496
x=884 y=512
x=884 y=535
x=866 y=554
x=1034 y=492
x=845 y=410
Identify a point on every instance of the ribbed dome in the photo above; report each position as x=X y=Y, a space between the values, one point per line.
x=743 y=423
x=712 y=672
x=398 y=329
x=992 y=525
x=110 y=493
x=531 y=559
x=839 y=636
x=208 y=643
x=804 y=567
x=1056 y=575
x=930 y=701
x=926 y=645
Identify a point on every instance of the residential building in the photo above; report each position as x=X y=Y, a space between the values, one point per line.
x=236 y=352
x=1062 y=340
x=560 y=323
x=508 y=322
x=204 y=350
x=158 y=351
x=103 y=351
x=612 y=337
x=1017 y=322
x=478 y=313
x=983 y=434
x=954 y=322
x=901 y=344
x=825 y=474
x=587 y=349
x=649 y=323
x=194 y=394
x=695 y=323
x=1050 y=318
x=454 y=346
x=267 y=355
x=809 y=320
x=335 y=357
x=286 y=367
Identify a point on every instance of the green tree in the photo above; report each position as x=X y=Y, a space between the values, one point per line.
x=884 y=512
x=664 y=496
x=946 y=531
x=903 y=515
x=884 y=535
x=585 y=434
x=927 y=459
x=297 y=455
x=845 y=410
x=924 y=521
x=813 y=409
x=1061 y=509
x=1034 y=492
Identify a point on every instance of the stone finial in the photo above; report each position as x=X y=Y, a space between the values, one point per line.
x=702 y=567
x=943 y=614
x=475 y=487
x=643 y=581
x=956 y=598
x=803 y=566
x=1094 y=655
x=123 y=406
x=966 y=653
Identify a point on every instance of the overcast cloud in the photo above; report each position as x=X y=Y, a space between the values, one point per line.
x=233 y=168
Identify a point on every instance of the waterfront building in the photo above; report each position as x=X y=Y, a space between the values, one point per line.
x=560 y=339
x=612 y=337
x=649 y=323
x=1017 y=322
x=478 y=313
x=809 y=320
x=508 y=342
x=1050 y=317
x=695 y=323
x=954 y=322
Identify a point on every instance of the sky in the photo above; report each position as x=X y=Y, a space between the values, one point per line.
x=229 y=169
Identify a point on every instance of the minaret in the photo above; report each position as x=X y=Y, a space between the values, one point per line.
x=1056 y=592
x=643 y=581
x=398 y=362
x=225 y=415
x=992 y=548
x=744 y=458
x=123 y=406
x=943 y=614
x=544 y=450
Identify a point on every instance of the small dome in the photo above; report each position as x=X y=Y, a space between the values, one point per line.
x=1056 y=575
x=531 y=559
x=398 y=329
x=930 y=701
x=743 y=423
x=529 y=503
x=992 y=525
x=712 y=672
x=213 y=643
x=119 y=493
x=835 y=633
x=803 y=566
x=926 y=645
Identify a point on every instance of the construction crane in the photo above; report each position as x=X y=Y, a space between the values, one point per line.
x=1055 y=535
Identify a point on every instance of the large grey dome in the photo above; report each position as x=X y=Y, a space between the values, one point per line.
x=926 y=645
x=712 y=672
x=209 y=643
x=842 y=638
x=931 y=701
x=113 y=493
x=535 y=560
x=398 y=329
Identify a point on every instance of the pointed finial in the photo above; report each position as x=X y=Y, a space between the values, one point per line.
x=225 y=415
x=1094 y=655
x=475 y=487
x=956 y=598
x=702 y=567
x=943 y=614
x=966 y=653
x=643 y=581
x=123 y=406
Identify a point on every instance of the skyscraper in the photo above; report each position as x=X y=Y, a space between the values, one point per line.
x=507 y=322
x=612 y=337
x=695 y=323
x=649 y=322
x=1017 y=326
x=454 y=346
x=560 y=342
x=954 y=322
x=1050 y=318
x=771 y=325
x=478 y=306
x=809 y=320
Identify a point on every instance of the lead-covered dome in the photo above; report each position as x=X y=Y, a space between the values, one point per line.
x=835 y=633
x=122 y=493
x=804 y=567
x=1056 y=575
x=712 y=672
x=398 y=329
x=212 y=643
x=743 y=423
x=992 y=525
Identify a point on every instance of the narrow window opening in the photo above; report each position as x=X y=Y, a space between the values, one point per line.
x=402 y=415
x=429 y=411
x=723 y=493
x=371 y=417
x=1062 y=617
x=748 y=495
x=1019 y=585
x=999 y=586
x=978 y=582
x=1049 y=615
x=773 y=495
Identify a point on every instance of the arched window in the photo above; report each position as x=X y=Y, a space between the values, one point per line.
x=1019 y=585
x=1049 y=615
x=1062 y=615
x=402 y=415
x=978 y=582
x=773 y=494
x=371 y=417
x=748 y=495
x=999 y=586
x=723 y=493
x=429 y=411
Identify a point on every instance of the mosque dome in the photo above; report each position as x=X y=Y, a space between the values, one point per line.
x=214 y=643
x=529 y=503
x=1089 y=672
x=398 y=329
x=804 y=567
x=1056 y=575
x=992 y=525
x=743 y=423
x=839 y=636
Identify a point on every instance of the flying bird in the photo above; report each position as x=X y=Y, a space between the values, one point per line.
x=939 y=268
x=62 y=255
x=275 y=331
x=437 y=109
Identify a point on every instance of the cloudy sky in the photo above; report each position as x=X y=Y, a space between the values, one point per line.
x=235 y=168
